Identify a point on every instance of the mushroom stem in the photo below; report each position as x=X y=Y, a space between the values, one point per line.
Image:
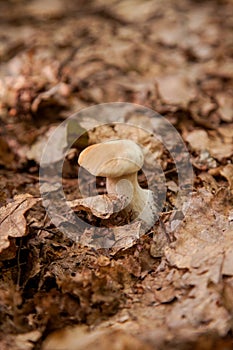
x=140 y=201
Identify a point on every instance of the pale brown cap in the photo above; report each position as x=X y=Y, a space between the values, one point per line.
x=112 y=158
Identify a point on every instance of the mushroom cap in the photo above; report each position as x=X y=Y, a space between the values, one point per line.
x=113 y=158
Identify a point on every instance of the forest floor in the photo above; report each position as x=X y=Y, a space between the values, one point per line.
x=167 y=289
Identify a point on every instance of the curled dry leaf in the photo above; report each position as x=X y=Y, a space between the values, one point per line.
x=12 y=220
x=79 y=338
x=54 y=96
x=209 y=182
x=26 y=341
x=44 y=9
x=126 y=236
x=102 y=206
x=227 y=172
x=225 y=106
x=219 y=146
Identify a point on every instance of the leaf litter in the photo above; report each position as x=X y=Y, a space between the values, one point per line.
x=161 y=290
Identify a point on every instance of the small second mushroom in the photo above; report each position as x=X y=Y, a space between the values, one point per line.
x=119 y=161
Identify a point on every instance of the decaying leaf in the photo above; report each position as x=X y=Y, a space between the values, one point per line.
x=209 y=182
x=219 y=146
x=55 y=97
x=225 y=106
x=198 y=140
x=176 y=89
x=44 y=9
x=26 y=341
x=205 y=250
x=227 y=172
x=78 y=338
x=126 y=236
x=102 y=206
x=198 y=241
x=12 y=220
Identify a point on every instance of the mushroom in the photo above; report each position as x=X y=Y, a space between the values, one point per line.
x=119 y=161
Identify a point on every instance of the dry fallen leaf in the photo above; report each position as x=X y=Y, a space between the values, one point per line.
x=12 y=221
x=176 y=89
x=198 y=140
x=225 y=106
x=203 y=247
x=26 y=341
x=227 y=172
x=102 y=206
x=43 y=9
x=219 y=147
x=126 y=236
x=79 y=338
